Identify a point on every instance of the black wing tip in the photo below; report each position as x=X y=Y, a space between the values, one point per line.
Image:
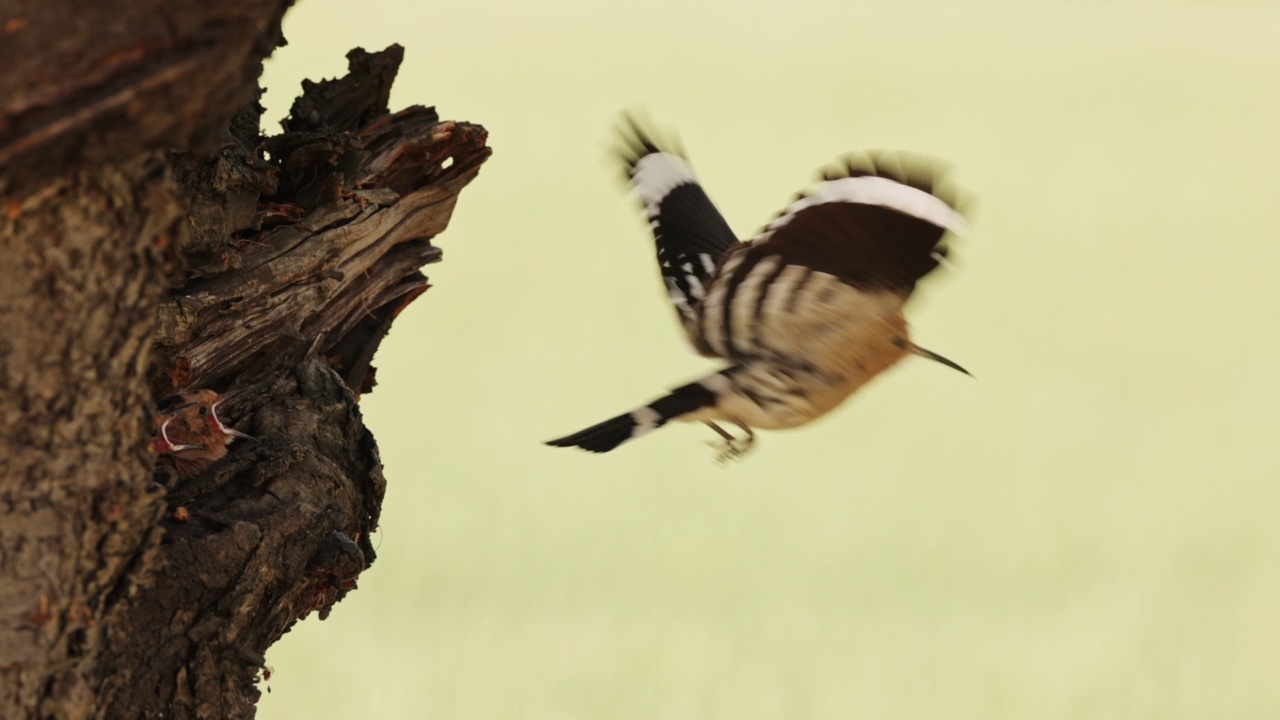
x=640 y=139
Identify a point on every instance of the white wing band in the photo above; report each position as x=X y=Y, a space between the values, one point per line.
x=880 y=191
x=657 y=174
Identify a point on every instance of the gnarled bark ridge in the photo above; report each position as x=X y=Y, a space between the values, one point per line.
x=155 y=241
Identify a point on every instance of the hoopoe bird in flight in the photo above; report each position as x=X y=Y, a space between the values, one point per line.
x=189 y=433
x=805 y=313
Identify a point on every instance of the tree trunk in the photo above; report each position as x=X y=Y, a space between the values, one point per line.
x=154 y=242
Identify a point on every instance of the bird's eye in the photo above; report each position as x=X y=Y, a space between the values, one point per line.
x=204 y=410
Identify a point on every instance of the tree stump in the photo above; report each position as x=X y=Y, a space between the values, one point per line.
x=155 y=241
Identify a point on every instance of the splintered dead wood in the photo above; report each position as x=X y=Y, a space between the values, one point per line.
x=302 y=249
x=332 y=249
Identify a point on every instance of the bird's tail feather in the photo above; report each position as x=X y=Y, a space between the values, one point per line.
x=605 y=436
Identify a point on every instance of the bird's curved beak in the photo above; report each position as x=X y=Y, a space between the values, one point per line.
x=167 y=445
x=213 y=415
x=931 y=355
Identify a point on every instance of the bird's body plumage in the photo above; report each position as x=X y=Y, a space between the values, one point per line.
x=805 y=313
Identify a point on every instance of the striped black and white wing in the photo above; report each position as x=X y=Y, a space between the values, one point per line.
x=874 y=224
x=691 y=235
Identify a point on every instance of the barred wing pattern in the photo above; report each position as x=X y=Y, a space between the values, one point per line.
x=690 y=234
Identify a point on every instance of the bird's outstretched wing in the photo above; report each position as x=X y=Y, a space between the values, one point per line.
x=874 y=223
x=691 y=235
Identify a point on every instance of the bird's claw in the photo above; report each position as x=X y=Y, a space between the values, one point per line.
x=727 y=450
x=730 y=447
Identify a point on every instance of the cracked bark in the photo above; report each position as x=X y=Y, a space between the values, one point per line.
x=154 y=241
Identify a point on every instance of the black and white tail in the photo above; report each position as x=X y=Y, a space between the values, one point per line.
x=605 y=436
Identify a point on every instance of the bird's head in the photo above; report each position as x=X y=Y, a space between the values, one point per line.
x=206 y=404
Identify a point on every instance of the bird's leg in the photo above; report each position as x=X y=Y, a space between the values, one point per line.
x=732 y=447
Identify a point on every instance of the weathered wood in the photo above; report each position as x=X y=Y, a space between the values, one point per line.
x=319 y=278
x=283 y=315
x=155 y=241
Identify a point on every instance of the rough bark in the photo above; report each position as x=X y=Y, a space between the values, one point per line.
x=154 y=241
x=77 y=515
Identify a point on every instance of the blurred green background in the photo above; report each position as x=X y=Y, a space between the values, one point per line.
x=1088 y=530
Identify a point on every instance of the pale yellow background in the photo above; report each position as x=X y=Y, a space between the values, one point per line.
x=1088 y=530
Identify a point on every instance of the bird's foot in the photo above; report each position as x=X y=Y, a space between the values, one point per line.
x=727 y=450
x=730 y=447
